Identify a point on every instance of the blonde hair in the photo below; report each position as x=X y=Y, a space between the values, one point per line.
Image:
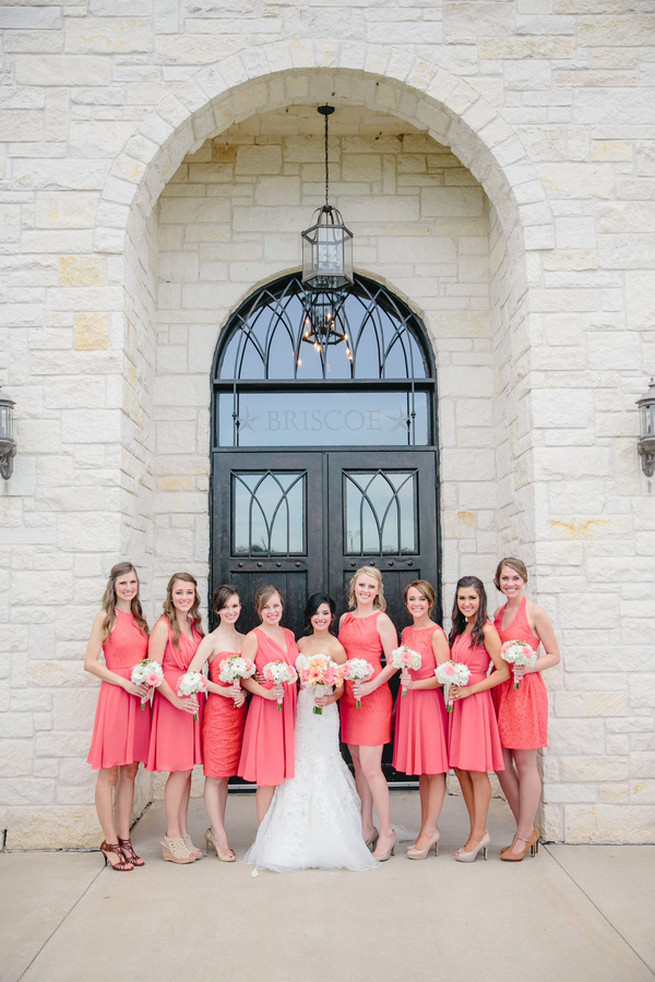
x=170 y=612
x=424 y=588
x=264 y=594
x=516 y=564
x=378 y=599
x=109 y=600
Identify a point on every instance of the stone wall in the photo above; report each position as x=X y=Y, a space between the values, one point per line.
x=524 y=183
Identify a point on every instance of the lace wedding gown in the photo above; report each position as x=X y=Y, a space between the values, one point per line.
x=314 y=819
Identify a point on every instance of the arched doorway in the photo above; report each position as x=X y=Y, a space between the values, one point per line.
x=323 y=459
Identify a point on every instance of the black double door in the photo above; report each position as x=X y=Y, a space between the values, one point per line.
x=306 y=520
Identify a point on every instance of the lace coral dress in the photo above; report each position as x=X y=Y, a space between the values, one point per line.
x=222 y=727
x=314 y=819
x=370 y=725
x=523 y=712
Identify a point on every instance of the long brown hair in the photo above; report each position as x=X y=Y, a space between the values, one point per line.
x=109 y=600
x=459 y=621
x=170 y=612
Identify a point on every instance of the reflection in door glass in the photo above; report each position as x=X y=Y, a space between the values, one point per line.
x=269 y=513
x=380 y=511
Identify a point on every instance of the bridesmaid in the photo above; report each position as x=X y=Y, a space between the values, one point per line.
x=268 y=752
x=175 y=736
x=121 y=729
x=367 y=632
x=420 y=741
x=473 y=732
x=223 y=718
x=523 y=712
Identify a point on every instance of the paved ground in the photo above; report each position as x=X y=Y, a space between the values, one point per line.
x=572 y=913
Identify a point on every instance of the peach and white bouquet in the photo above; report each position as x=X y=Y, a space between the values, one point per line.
x=405 y=658
x=189 y=684
x=518 y=653
x=278 y=672
x=147 y=672
x=451 y=673
x=357 y=670
x=320 y=670
x=235 y=668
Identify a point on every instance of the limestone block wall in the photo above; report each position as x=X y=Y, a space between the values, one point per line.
x=543 y=110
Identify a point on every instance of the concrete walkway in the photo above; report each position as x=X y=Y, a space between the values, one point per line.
x=572 y=913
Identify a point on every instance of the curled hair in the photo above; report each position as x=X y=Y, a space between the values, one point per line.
x=459 y=621
x=109 y=600
x=264 y=594
x=170 y=612
x=378 y=599
x=312 y=605
x=516 y=564
x=424 y=588
x=221 y=596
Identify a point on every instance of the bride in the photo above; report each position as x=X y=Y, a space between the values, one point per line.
x=314 y=819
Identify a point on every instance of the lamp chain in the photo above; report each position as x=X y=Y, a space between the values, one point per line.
x=326 y=160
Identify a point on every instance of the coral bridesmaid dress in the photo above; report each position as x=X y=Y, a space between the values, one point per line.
x=175 y=736
x=523 y=712
x=474 y=743
x=268 y=752
x=370 y=725
x=420 y=745
x=121 y=729
x=222 y=727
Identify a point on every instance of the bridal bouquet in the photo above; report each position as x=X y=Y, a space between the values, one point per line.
x=278 y=672
x=235 y=668
x=451 y=673
x=191 y=683
x=320 y=670
x=518 y=653
x=405 y=658
x=357 y=670
x=147 y=672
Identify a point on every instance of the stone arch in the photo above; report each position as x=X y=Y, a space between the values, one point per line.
x=389 y=80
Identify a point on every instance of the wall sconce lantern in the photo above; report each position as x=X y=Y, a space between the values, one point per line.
x=327 y=247
x=7 y=442
x=646 y=443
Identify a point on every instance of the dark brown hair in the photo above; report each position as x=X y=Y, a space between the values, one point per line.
x=459 y=621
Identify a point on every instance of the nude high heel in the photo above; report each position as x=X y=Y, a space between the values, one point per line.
x=469 y=857
x=211 y=844
x=383 y=856
x=532 y=844
x=413 y=853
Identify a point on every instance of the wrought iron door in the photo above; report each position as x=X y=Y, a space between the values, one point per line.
x=383 y=514
x=267 y=528
x=305 y=521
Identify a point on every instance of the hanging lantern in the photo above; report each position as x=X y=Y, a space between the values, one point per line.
x=7 y=442
x=327 y=246
x=646 y=442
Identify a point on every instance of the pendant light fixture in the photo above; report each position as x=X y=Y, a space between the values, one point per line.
x=327 y=270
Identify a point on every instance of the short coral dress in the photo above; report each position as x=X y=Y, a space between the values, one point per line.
x=370 y=725
x=121 y=729
x=523 y=712
x=175 y=743
x=420 y=745
x=474 y=743
x=222 y=727
x=268 y=751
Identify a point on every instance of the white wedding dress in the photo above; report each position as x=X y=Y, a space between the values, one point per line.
x=314 y=819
